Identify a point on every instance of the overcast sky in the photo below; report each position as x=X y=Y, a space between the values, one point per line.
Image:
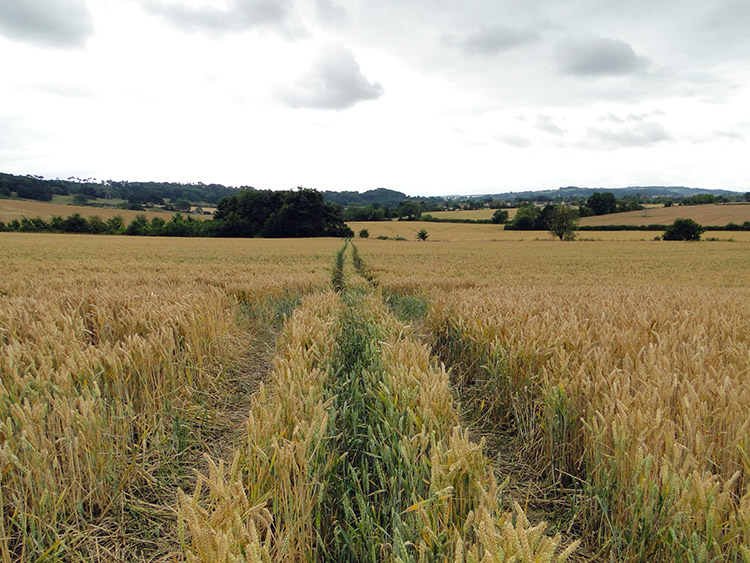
x=429 y=97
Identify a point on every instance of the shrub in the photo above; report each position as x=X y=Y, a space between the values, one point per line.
x=364 y=233
x=683 y=229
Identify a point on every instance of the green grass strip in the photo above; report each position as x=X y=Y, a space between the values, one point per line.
x=374 y=479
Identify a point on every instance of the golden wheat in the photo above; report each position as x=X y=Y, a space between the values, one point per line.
x=623 y=363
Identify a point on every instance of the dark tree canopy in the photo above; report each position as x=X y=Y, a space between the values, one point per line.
x=602 y=203
x=683 y=229
x=261 y=213
x=500 y=216
x=562 y=222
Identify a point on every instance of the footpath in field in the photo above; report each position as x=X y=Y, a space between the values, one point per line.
x=353 y=452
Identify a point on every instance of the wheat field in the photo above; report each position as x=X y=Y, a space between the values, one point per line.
x=709 y=214
x=615 y=371
x=18 y=208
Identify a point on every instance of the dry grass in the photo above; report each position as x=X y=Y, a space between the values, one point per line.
x=17 y=208
x=714 y=214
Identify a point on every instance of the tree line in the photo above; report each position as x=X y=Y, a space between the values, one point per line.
x=156 y=193
x=249 y=213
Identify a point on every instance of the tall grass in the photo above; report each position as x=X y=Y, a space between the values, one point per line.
x=354 y=453
x=97 y=390
x=634 y=397
x=114 y=358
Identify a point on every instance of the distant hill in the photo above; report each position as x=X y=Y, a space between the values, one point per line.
x=41 y=189
x=574 y=192
x=382 y=196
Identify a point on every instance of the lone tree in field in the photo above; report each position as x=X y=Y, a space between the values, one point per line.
x=562 y=222
x=684 y=229
x=422 y=235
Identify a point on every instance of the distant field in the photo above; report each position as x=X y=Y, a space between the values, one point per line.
x=487 y=232
x=16 y=208
x=476 y=214
x=714 y=214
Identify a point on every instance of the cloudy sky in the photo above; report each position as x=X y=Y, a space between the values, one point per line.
x=423 y=96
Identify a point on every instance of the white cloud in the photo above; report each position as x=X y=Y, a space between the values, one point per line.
x=335 y=82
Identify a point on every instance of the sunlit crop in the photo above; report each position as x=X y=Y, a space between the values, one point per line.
x=616 y=373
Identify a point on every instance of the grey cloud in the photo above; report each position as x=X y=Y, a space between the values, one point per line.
x=491 y=40
x=639 y=117
x=547 y=124
x=335 y=82
x=731 y=135
x=639 y=135
x=240 y=15
x=513 y=140
x=599 y=56
x=48 y=23
x=330 y=12
x=645 y=116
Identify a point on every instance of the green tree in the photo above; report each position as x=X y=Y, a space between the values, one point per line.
x=156 y=227
x=183 y=205
x=364 y=233
x=28 y=187
x=525 y=218
x=683 y=229
x=80 y=199
x=299 y=213
x=602 y=203
x=138 y=226
x=562 y=222
x=543 y=221
x=500 y=216
x=75 y=224
x=95 y=225
x=422 y=235
x=410 y=210
x=57 y=223
x=115 y=225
